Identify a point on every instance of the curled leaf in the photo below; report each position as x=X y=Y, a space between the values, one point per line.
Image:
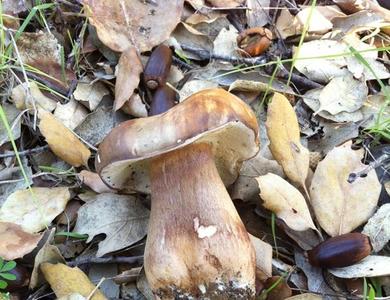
x=283 y=133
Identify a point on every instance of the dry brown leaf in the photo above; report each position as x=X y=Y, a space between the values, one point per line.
x=90 y=92
x=128 y=73
x=70 y=114
x=341 y=206
x=42 y=51
x=94 y=181
x=62 y=141
x=34 y=208
x=283 y=133
x=15 y=243
x=285 y=201
x=65 y=280
x=135 y=107
x=263 y=258
x=126 y=23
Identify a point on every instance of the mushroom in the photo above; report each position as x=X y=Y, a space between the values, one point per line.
x=197 y=246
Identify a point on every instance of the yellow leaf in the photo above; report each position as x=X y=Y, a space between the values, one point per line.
x=62 y=141
x=283 y=133
x=285 y=201
x=34 y=212
x=341 y=206
x=65 y=280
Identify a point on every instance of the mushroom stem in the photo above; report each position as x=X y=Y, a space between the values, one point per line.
x=197 y=245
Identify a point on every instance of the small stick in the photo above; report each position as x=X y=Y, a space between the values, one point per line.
x=205 y=54
x=106 y=260
x=25 y=152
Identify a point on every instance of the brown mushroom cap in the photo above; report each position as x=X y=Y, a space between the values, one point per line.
x=211 y=116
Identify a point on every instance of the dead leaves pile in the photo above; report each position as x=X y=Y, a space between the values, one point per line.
x=71 y=216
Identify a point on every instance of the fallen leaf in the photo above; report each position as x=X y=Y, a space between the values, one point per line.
x=48 y=253
x=62 y=141
x=97 y=125
x=122 y=218
x=257 y=13
x=19 y=97
x=135 y=107
x=64 y=281
x=15 y=243
x=341 y=206
x=41 y=50
x=128 y=73
x=246 y=187
x=283 y=133
x=287 y=24
x=126 y=23
x=193 y=86
x=371 y=266
x=327 y=66
x=225 y=43
x=70 y=114
x=342 y=94
x=378 y=228
x=13 y=117
x=34 y=209
x=73 y=296
x=318 y=23
x=90 y=92
x=285 y=201
x=94 y=181
x=263 y=258
x=312 y=99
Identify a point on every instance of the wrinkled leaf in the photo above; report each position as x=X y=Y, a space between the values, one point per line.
x=371 y=266
x=126 y=23
x=342 y=94
x=62 y=141
x=15 y=243
x=122 y=218
x=33 y=212
x=90 y=93
x=65 y=280
x=341 y=206
x=128 y=73
x=285 y=201
x=284 y=135
x=378 y=228
x=70 y=114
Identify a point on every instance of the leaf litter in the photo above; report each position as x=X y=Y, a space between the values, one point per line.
x=74 y=71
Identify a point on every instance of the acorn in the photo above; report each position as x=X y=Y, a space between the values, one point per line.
x=163 y=99
x=340 y=251
x=254 y=41
x=157 y=68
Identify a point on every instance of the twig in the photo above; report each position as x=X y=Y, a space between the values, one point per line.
x=205 y=54
x=371 y=166
x=180 y=63
x=26 y=152
x=299 y=80
x=106 y=260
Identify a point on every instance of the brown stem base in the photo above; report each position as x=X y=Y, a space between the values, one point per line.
x=197 y=245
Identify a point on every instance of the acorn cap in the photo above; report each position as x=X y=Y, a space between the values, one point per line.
x=211 y=116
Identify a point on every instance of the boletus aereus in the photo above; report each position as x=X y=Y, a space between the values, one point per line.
x=197 y=246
